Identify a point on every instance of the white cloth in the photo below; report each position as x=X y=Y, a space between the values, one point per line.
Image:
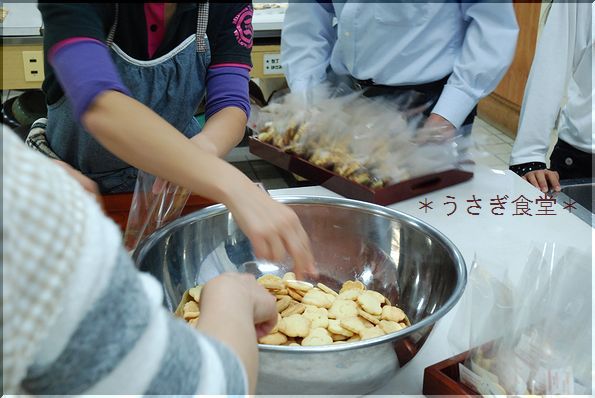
x=78 y=318
x=562 y=67
x=397 y=43
x=39 y=250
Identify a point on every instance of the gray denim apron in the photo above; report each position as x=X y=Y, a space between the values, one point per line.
x=172 y=86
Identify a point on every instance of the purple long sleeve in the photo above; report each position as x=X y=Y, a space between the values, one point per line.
x=227 y=86
x=84 y=69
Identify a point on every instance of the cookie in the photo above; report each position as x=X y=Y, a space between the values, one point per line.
x=318 y=298
x=369 y=303
x=195 y=293
x=275 y=329
x=299 y=285
x=390 y=313
x=289 y=276
x=273 y=339
x=390 y=326
x=326 y=289
x=380 y=297
x=318 y=317
x=338 y=337
x=370 y=318
x=357 y=285
x=295 y=326
x=353 y=324
x=295 y=295
x=342 y=309
x=334 y=326
x=293 y=308
x=318 y=336
x=185 y=299
x=191 y=310
x=370 y=333
x=271 y=282
x=350 y=294
x=283 y=303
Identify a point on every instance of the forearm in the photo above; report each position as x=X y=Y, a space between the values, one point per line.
x=141 y=138
x=234 y=327
x=487 y=51
x=222 y=132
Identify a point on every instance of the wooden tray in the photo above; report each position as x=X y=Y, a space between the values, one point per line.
x=443 y=378
x=117 y=206
x=345 y=187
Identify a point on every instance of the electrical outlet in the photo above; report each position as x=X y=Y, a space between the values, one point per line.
x=33 y=66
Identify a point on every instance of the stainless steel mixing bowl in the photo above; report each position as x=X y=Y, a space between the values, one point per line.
x=400 y=256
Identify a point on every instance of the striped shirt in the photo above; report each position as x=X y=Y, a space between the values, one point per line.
x=78 y=318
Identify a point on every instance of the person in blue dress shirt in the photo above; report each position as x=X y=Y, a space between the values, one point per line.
x=452 y=53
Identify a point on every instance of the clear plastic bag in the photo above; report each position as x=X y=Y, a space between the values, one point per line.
x=373 y=141
x=532 y=336
x=155 y=203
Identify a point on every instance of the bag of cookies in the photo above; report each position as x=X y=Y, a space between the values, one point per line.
x=533 y=335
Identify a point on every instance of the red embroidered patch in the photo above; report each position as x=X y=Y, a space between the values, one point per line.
x=243 y=24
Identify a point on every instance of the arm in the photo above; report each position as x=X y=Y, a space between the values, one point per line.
x=137 y=135
x=230 y=306
x=94 y=297
x=486 y=54
x=143 y=139
x=227 y=109
x=545 y=87
x=222 y=132
x=307 y=43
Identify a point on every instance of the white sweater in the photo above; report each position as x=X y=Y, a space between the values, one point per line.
x=78 y=318
x=562 y=67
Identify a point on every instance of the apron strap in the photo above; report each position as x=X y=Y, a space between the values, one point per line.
x=112 y=31
x=202 y=21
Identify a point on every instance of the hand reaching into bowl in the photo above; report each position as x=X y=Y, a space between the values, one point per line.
x=272 y=227
x=236 y=310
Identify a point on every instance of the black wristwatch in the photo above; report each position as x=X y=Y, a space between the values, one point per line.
x=524 y=168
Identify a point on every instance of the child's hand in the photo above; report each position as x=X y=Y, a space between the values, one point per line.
x=242 y=297
x=273 y=229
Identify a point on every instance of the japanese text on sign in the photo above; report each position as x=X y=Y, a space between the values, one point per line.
x=272 y=64
x=498 y=205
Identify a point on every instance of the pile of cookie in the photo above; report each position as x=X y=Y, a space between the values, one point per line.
x=317 y=315
x=311 y=315
x=188 y=308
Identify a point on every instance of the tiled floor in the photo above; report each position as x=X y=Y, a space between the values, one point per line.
x=491 y=148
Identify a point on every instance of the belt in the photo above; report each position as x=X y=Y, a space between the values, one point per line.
x=430 y=87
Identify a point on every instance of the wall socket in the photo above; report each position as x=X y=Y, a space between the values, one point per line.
x=33 y=66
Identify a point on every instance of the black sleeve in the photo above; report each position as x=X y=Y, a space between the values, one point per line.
x=230 y=33
x=62 y=21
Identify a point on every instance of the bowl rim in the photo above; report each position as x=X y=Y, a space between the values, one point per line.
x=461 y=268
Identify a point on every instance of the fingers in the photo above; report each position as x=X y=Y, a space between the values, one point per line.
x=300 y=250
x=543 y=180
x=540 y=176
x=530 y=177
x=554 y=179
x=283 y=234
